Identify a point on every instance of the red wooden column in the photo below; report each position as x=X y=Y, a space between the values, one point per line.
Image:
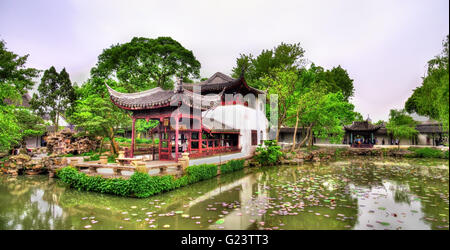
x=176 y=137
x=200 y=137
x=133 y=137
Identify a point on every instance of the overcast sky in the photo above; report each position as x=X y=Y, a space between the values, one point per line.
x=384 y=45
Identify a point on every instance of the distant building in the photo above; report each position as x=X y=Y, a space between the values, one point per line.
x=38 y=141
x=430 y=133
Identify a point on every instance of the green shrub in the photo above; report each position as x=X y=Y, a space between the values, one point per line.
x=112 y=159
x=81 y=181
x=140 y=185
x=446 y=155
x=95 y=157
x=426 y=153
x=201 y=172
x=143 y=141
x=231 y=166
x=270 y=154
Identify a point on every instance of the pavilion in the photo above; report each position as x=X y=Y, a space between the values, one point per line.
x=363 y=130
x=181 y=115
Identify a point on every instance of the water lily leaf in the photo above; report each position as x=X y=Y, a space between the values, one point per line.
x=220 y=221
x=384 y=223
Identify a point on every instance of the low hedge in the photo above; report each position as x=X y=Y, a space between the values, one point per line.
x=139 y=185
x=231 y=166
x=427 y=153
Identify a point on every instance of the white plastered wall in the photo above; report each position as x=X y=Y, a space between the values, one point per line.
x=243 y=118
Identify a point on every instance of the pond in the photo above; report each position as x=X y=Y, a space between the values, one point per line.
x=357 y=193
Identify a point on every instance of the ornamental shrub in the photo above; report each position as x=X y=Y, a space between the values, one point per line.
x=270 y=154
x=231 y=166
x=140 y=185
x=426 y=153
x=201 y=172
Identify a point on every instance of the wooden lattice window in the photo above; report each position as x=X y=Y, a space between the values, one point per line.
x=254 y=138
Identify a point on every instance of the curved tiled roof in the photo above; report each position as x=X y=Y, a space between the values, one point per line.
x=157 y=97
x=218 y=82
x=362 y=126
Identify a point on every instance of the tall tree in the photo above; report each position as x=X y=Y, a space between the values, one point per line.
x=268 y=63
x=283 y=85
x=145 y=63
x=432 y=97
x=55 y=95
x=95 y=114
x=401 y=125
x=29 y=123
x=15 y=80
x=337 y=79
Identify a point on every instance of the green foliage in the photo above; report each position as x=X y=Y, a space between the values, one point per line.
x=231 y=166
x=144 y=185
x=137 y=140
x=329 y=116
x=139 y=185
x=427 y=153
x=56 y=95
x=284 y=56
x=9 y=127
x=201 y=172
x=334 y=80
x=30 y=124
x=112 y=159
x=94 y=157
x=14 y=76
x=432 y=97
x=401 y=125
x=95 y=114
x=270 y=154
x=81 y=181
x=145 y=63
x=15 y=80
x=142 y=126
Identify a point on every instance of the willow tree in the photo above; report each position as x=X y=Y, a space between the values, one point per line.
x=432 y=97
x=401 y=125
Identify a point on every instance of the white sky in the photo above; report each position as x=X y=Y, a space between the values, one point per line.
x=383 y=44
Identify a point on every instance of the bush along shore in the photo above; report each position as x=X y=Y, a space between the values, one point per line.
x=142 y=185
x=326 y=154
x=272 y=154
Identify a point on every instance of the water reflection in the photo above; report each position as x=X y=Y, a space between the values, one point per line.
x=351 y=194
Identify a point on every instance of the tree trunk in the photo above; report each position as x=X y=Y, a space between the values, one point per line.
x=295 y=132
x=114 y=145
x=310 y=140
x=306 y=137
x=278 y=133
x=101 y=145
x=57 y=122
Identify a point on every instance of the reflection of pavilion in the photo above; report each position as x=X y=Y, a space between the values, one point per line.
x=233 y=220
